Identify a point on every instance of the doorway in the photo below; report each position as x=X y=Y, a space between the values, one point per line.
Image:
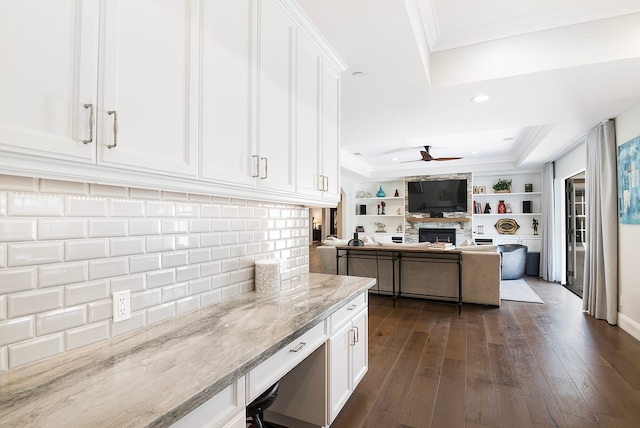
x=576 y=232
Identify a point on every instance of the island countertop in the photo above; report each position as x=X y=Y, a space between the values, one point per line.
x=156 y=375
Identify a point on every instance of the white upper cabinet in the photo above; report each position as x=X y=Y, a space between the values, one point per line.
x=227 y=147
x=308 y=86
x=47 y=78
x=147 y=118
x=331 y=132
x=275 y=67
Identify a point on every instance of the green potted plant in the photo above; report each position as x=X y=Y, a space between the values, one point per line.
x=502 y=186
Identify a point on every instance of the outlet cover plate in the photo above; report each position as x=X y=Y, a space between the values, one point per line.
x=121 y=305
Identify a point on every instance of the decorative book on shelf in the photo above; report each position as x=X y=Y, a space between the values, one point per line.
x=442 y=245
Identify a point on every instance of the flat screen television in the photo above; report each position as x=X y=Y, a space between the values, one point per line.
x=437 y=196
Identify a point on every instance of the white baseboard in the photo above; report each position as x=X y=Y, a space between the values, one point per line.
x=629 y=325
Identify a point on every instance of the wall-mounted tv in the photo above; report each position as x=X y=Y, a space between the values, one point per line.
x=437 y=196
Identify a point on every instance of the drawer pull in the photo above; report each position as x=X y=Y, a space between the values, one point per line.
x=299 y=348
x=115 y=129
x=357 y=334
x=90 y=140
x=352 y=307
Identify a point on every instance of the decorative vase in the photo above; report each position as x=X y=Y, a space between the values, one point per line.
x=502 y=208
x=380 y=193
x=509 y=209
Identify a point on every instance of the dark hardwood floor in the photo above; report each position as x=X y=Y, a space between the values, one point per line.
x=520 y=365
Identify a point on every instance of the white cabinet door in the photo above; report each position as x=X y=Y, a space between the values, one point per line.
x=331 y=132
x=227 y=145
x=339 y=374
x=148 y=85
x=275 y=142
x=49 y=58
x=308 y=83
x=360 y=349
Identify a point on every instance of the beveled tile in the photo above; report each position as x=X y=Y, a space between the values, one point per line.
x=160 y=278
x=160 y=209
x=86 y=292
x=34 y=253
x=186 y=273
x=61 y=228
x=144 y=193
x=145 y=299
x=59 y=186
x=136 y=321
x=4 y=360
x=3 y=255
x=16 y=183
x=86 y=207
x=62 y=273
x=108 y=268
x=187 y=210
x=198 y=286
x=161 y=312
x=105 y=190
x=60 y=319
x=187 y=304
x=175 y=226
x=33 y=205
x=107 y=228
x=187 y=241
x=16 y=330
x=31 y=302
x=199 y=255
x=130 y=282
x=144 y=263
x=85 y=249
x=100 y=310
x=17 y=229
x=86 y=335
x=126 y=208
x=210 y=211
x=142 y=227
x=35 y=349
x=126 y=246
x=199 y=225
x=155 y=244
x=174 y=292
x=178 y=258
x=210 y=298
x=18 y=279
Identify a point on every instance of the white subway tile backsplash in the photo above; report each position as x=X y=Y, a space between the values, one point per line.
x=126 y=208
x=108 y=268
x=86 y=335
x=133 y=283
x=86 y=292
x=187 y=304
x=158 y=209
x=61 y=228
x=35 y=349
x=179 y=258
x=145 y=299
x=86 y=207
x=60 y=320
x=86 y=249
x=210 y=298
x=160 y=278
x=186 y=273
x=137 y=321
x=19 y=229
x=107 y=228
x=16 y=330
x=199 y=286
x=15 y=183
x=138 y=227
x=126 y=246
x=184 y=242
x=32 y=302
x=175 y=252
x=22 y=279
x=145 y=263
x=174 y=292
x=62 y=274
x=160 y=313
x=160 y=243
x=100 y=310
x=33 y=205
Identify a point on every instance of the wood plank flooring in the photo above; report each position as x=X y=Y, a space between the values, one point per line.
x=520 y=365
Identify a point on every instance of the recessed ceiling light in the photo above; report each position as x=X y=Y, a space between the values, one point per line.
x=394 y=159
x=357 y=74
x=475 y=152
x=480 y=98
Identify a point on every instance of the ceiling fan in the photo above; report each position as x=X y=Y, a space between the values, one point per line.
x=426 y=156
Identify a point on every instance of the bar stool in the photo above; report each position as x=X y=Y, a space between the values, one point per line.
x=255 y=410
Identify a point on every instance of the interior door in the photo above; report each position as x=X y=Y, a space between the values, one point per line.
x=576 y=232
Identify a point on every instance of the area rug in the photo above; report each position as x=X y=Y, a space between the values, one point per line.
x=519 y=291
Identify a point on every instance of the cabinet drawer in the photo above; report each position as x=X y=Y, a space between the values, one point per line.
x=347 y=312
x=218 y=409
x=279 y=364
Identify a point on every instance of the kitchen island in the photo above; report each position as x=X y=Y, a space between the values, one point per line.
x=155 y=376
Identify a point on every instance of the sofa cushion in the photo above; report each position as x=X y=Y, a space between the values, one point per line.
x=479 y=248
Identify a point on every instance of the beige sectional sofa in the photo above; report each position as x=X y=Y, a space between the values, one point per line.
x=480 y=272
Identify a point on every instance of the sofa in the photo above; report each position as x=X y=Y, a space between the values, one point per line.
x=480 y=272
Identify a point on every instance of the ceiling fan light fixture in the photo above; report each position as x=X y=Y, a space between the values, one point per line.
x=480 y=98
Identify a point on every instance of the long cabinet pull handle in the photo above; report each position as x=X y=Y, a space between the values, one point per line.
x=321 y=183
x=357 y=333
x=257 y=158
x=266 y=170
x=354 y=337
x=326 y=183
x=299 y=348
x=115 y=129
x=90 y=140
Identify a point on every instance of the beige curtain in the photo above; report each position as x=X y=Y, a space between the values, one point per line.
x=601 y=256
x=548 y=250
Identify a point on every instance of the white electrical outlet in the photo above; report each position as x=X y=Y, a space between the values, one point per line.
x=121 y=305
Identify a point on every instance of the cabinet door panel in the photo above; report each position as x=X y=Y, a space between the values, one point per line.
x=331 y=131
x=339 y=384
x=149 y=79
x=274 y=105
x=49 y=57
x=360 y=352
x=308 y=61
x=226 y=145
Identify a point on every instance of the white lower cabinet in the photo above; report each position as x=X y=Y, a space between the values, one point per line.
x=226 y=409
x=348 y=354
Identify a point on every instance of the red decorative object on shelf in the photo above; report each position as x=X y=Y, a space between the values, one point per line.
x=502 y=208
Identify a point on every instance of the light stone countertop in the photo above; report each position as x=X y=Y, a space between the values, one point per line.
x=154 y=376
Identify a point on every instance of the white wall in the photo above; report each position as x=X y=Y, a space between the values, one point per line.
x=628 y=127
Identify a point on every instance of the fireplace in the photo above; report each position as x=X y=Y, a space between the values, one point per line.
x=437 y=235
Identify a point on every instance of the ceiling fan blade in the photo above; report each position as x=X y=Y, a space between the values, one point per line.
x=426 y=156
x=445 y=159
x=416 y=160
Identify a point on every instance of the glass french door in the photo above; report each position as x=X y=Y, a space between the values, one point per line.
x=576 y=232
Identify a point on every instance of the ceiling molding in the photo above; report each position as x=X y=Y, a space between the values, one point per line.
x=529 y=139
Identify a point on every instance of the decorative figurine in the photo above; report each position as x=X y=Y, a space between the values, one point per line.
x=381 y=227
x=396 y=195
x=378 y=209
x=487 y=208
x=399 y=229
x=535 y=226
x=382 y=204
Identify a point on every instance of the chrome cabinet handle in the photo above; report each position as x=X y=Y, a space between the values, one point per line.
x=115 y=129
x=352 y=307
x=299 y=348
x=266 y=166
x=90 y=140
x=257 y=158
x=321 y=183
x=354 y=337
x=357 y=333
x=325 y=183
